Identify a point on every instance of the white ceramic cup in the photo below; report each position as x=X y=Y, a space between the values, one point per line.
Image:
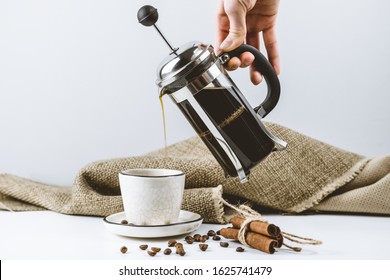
x=152 y=196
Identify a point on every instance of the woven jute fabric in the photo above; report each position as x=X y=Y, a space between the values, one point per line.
x=308 y=175
x=367 y=193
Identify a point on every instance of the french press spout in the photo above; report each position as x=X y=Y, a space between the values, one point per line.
x=196 y=80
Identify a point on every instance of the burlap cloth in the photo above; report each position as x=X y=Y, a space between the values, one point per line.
x=308 y=175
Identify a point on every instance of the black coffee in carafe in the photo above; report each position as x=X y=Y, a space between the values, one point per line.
x=237 y=124
x=196 y=80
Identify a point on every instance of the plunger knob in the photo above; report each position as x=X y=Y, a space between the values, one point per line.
x=147 y=15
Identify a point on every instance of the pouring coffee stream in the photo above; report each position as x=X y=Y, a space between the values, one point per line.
x=194 y=77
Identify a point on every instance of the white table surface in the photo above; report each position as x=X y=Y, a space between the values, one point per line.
x=49 y=235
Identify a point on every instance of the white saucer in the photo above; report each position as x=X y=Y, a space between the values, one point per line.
x=187 y=222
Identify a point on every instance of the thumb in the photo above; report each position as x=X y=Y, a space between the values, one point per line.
x=237 y=28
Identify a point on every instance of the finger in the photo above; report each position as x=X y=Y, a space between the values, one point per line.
x=222 y=24
x=255 y=76
x=221 y=35
x=253 y=39
x=233 y=64
x=271 y=45
x=237 y=26
x=247 y=59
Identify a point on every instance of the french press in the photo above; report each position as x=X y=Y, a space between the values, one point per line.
x=196 y=80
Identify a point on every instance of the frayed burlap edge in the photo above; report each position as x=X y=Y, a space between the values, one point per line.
x=218 y=204
x=207 y=202
x=328 y=189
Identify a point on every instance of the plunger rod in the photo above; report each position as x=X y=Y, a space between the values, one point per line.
x=165 y=39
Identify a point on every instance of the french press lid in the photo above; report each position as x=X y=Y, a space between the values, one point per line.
x=183 y=65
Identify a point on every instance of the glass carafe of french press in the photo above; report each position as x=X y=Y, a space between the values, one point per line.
x=196 y=80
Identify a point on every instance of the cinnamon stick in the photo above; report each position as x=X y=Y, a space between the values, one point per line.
x=278 y=239
x=257 y=226
x=255 y=240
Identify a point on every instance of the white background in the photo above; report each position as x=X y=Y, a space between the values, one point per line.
x=77 y=78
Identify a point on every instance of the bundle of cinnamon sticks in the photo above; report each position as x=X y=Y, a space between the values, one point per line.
x=259 y=235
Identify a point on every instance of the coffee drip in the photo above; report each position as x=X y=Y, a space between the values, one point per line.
x=161 y=95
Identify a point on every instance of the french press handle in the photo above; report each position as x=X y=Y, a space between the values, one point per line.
x=262 y=65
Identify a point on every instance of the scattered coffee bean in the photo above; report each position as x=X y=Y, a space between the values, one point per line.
x=143 y=246
x=151 y=253
x=203 y=246
x=240 y=249
x=171 y=243
x=197 y=237
x=206 y=236
x=167 y=251
x=180 y=251
x=218 y=232
x=216 y=237
x=190 y=240
x=188 y=237
x=179 y=245
x=124 y=222
x=224 y=244
x=123 y=249
x=202 y=239
x=211 y=233
x=155 y=249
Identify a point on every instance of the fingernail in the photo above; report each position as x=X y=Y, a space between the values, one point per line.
x=248 y=60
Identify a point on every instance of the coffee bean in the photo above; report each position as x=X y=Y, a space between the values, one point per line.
x=224 y=244
x=123 y=249
x=202 y=239
x=155 y=249
x=218 y=232
x=167 y=251
x=240 y=249
x=179 y=245
x=143 y=246
x=203 y=246
x=188 y=237
x=197 y=237
x=205 y=236
x=151 y=253
x=211 y=233
x=171 y=243
x=180 y=251
x=190 y=240
x=216 y=237
x=124 y=222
